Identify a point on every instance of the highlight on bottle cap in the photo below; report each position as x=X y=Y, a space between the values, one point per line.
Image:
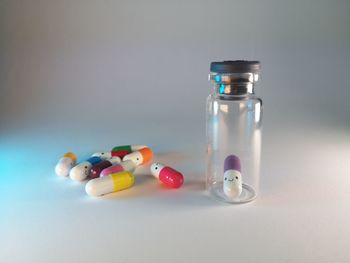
x=235 y=66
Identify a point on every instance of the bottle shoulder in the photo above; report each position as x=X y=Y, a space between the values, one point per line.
x=251 y=99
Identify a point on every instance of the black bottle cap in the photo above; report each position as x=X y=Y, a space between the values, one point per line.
x=235 y=66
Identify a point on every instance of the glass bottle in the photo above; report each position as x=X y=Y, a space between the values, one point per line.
x=234 y=126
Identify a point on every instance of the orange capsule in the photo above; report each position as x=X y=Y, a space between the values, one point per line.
x=140 y=157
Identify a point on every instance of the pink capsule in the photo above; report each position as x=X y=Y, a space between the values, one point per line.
x=120 y=167
x=167 y=175
x=96 y=169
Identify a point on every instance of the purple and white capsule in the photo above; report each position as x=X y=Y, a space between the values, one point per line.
x=232 y=177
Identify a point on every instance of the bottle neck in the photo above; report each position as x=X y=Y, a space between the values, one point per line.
x=233 y=85
x=234 y=89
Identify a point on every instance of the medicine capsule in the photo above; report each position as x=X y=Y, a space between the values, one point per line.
x=232 y=176
x=123 y=166
x=123 y=150
x=140 y=157
x=119 y=151
x=110 y=183
x=96 y=169
x=103 y=155
x=167 y=175
x=65 y=164
x=82 y=170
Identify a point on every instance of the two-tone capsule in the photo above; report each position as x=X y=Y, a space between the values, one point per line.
x=96 y=169
x=123 y=150
x=110 y=183
x=123 y=166
x=232 y=177
x=82 y=170
x=65 y=164
x=140 y=157
x=102 y=155
x=119 y=151
x=167 y=175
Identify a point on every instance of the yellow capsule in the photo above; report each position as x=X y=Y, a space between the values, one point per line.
x=71 y=156
x=110 y=183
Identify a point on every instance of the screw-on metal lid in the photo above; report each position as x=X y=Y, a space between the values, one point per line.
x=235 y=66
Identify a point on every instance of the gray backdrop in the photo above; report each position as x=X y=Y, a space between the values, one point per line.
x=70 y=63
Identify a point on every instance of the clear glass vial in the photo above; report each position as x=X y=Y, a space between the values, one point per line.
x=234 y=127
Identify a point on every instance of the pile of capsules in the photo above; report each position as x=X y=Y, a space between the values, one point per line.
x=112 y=171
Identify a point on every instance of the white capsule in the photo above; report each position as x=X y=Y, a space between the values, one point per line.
x=103 y=155
x=232 y=183
x=135 y=157
x=82 y=170
x=139 y=157
x=99 y=186
x=138 y=147
x=65 y=164
x=128 y=166
x=156 y=168
x=114 y=160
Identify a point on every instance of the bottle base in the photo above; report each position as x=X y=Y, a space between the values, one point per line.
x=248 y=194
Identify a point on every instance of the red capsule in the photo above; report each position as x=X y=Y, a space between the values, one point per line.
x=167 y=175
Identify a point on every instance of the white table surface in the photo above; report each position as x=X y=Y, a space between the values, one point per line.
x=302 y=214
